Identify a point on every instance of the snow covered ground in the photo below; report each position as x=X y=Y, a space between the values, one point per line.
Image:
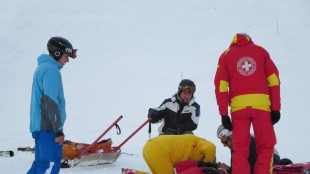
x=132 y=55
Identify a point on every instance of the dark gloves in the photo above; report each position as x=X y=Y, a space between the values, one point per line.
x=206 y=164
x=154 y=114
x=210 y=170
x=275 y=116
x=226 y=122
x=60 y=133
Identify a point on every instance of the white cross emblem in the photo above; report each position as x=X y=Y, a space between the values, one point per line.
x=246 y=66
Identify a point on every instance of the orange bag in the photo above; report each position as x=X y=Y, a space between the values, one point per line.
x=72 y=150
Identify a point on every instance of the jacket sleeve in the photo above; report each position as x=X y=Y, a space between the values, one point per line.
x=208 y=149
x=161 y=112
x=272 y=75
x=221 y=82
x=49 y=99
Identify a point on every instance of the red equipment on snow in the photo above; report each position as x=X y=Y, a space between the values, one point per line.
x=97 y=152
x=296 y=168
x=132 y=171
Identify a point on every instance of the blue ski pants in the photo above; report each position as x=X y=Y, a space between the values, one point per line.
x=47 y=153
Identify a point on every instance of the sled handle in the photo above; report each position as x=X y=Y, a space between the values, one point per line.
x=96 y=141
x=149 y=119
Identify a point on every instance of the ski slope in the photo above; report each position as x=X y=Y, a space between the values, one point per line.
x=131 y=56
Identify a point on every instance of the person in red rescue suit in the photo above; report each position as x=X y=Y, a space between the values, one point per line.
x=163 y=152
x=248 y=81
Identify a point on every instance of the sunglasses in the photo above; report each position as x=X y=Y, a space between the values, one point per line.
x=191 y=89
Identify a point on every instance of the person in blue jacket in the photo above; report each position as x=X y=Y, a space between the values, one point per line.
x=47 y=110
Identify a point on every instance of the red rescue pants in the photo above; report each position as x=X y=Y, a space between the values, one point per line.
x=264 y=137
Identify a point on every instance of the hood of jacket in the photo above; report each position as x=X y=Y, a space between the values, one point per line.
x=240 y=40
x=47 y=58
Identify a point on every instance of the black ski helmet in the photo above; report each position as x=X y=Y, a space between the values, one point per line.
x=186 y=84
x=57 y=46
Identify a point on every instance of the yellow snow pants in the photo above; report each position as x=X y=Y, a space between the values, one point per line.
x=162 y=153
x=157 y=159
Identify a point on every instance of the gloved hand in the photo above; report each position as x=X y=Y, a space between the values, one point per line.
x=154 y=114
x=206 y=164
x=60 y=137
x=275 y=116
x=226 y=122
x=210 y=170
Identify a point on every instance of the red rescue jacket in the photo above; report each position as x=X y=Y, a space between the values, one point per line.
x=246 y=76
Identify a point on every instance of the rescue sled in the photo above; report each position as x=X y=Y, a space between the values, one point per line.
x=99 y=152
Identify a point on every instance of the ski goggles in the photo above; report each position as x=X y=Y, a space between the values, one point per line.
x=190 y=89
x=72 y=52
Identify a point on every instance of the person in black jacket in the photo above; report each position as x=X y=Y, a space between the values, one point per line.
x=225 y=136
x=178 y=114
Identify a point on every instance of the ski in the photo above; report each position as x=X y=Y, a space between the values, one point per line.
x=26 y=149
x=7 y=153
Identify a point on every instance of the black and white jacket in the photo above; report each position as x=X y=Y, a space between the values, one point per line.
x=174 y=113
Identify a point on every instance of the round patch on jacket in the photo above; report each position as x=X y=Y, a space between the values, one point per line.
x=246 y=66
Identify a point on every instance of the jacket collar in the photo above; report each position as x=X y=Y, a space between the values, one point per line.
x=175 y=98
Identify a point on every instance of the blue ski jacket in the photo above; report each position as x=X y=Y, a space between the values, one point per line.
x=47 y=110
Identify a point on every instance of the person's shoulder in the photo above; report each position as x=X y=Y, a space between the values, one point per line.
x=47 y=60
x=173 y=98
x=51 y=67
x=260 y=48
x=47 y=67
x=194 y=103
x=49 y=70
x=168 y=100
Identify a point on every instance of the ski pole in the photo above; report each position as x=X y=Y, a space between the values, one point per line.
x=150 y=129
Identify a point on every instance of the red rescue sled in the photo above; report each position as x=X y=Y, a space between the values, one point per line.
x=98 y=152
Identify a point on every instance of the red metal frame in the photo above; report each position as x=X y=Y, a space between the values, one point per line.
x=87 y=150
x=149 y=119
